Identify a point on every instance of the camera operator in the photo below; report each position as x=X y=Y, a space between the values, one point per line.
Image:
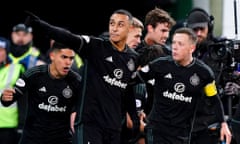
x=233 y=89
x=206 y=113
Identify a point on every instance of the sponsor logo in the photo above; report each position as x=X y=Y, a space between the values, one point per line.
x=52 y=106
x=114 y=82
x=118 y=73
x=179 y=87
x=53 y=100
x=178 y=97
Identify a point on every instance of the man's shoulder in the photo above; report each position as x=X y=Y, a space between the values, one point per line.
x=203 y=67
x=162 y=60
x=36 y=70
x=74 y=75
x=132 y=51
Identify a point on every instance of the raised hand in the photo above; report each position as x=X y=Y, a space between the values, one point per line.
x=31 y=18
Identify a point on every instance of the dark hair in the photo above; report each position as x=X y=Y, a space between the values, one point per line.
x=158 y=15
x=56 y=46
x=125 y=12
x=189 y=32
x=150 y=53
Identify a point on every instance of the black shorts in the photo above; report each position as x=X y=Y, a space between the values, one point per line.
x=92 y=134
x=153 y=136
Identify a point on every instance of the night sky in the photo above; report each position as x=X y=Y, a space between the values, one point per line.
x=90 y=18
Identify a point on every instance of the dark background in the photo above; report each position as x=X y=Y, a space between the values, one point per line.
x=80 y=17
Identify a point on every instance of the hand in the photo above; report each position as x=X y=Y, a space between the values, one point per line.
x=225 y=133
x=129 y=121
x=31 y=18
x=72 y=121
x=142 y=117
x=142 y=126
x=7 y=95
x=232 y=88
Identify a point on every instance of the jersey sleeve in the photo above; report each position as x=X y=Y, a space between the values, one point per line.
x=20 y=88
x=62 y=35
x=211 y=92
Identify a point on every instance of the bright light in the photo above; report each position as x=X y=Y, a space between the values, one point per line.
x=229 y=19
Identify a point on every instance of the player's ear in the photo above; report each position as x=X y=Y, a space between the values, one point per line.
x=193 y=48
x=52 y=55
